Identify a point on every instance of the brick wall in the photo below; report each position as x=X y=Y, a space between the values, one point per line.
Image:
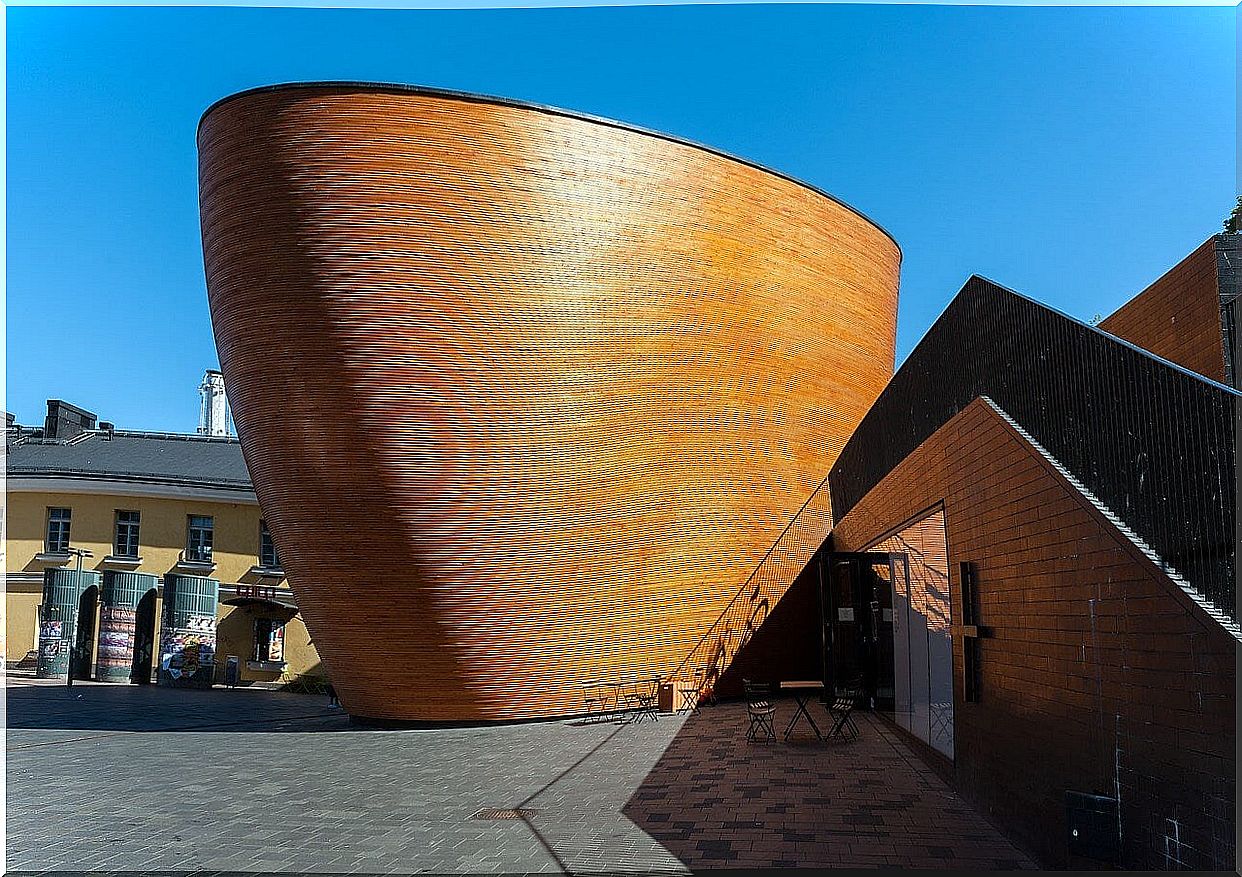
x=1100 y=675
x=1178 y=317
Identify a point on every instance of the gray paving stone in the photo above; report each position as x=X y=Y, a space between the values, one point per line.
x=144 y=778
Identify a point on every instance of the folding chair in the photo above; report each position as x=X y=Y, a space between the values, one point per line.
x=648 y=699
x=841 y=708
x=941 y=721
x=760 y=710
x=592 y=697
x=692 y=693
x=645 y=699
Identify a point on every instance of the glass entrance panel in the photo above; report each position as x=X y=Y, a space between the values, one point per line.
x=882 y=631
x=916 y=638
x=842 y=637
x=939 y=668
x=922 y=646
x=901 y=646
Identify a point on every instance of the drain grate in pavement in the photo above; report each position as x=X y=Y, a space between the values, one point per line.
x=502 y=813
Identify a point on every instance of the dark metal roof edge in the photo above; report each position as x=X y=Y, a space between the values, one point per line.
x=473 y=97
x=77 y=409
x=105 y=434
x=170 y=436
x=127 y=478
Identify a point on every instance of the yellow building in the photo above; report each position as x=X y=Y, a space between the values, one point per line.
x=154 y=515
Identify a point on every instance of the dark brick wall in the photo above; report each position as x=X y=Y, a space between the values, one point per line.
x=1100 y=675
x=1178 y=317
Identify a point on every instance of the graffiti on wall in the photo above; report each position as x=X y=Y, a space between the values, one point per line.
x=184 y=651
x=51 y=630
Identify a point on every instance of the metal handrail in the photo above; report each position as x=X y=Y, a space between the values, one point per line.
x=677 y=673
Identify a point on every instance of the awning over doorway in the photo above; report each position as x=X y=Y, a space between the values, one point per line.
x=262 y=603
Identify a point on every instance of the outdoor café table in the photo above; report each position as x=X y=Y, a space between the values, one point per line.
x=619 y=695
x=802 y=692
x=644 y=697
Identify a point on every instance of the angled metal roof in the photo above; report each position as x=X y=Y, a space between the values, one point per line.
x=164 y=458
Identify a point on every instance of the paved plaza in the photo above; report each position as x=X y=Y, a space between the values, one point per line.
x=110 y=778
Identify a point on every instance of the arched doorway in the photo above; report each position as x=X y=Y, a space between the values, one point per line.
x=144 y=639
x=84 y=637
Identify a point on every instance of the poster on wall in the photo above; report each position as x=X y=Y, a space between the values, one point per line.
x=190 y=658
x=201 y=624
x=49 y=630
x=186 y=650
x=276 y=643
x=116 y=637
x=117 y=618
x=115 y=642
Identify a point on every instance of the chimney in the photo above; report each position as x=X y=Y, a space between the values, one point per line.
x=65 y=421
x=213 y=409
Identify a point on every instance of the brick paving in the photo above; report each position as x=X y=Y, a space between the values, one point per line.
x=108 y=778
x=715 y=801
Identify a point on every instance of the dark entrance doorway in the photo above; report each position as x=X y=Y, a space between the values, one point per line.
x=144 y=639
x=84 y=634
x=858 y=624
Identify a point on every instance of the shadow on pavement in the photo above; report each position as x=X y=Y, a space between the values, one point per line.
x=85 y=706
x=716 y=801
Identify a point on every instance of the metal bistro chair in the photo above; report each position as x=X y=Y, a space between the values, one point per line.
x=760 y=710
x=842 y=706
x=592 y=698
x=692 y=693
x=644 y=698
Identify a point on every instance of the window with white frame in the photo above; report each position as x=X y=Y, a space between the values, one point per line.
x=198 y=540
x=126 y=541
x=58 y=521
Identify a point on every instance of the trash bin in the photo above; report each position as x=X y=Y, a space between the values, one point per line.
x=664 y=697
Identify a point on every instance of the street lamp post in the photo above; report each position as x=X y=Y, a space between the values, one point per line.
x=73 y=648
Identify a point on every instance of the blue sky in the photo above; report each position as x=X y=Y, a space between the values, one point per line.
x=1071 y=154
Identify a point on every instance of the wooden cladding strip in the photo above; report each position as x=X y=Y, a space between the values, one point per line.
x=1178 y=316
x=525 y=397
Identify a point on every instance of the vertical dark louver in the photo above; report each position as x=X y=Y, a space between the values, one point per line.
x=1152 y=441
x=1229 y=274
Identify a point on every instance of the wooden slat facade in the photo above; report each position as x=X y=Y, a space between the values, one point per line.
x=1178 y=317
x=525 y=396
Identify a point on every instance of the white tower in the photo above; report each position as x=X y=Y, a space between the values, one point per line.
x=213 y=409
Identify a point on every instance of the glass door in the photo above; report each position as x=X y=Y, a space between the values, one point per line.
x=858 y=625
x=880 y=573
x=890 y=627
